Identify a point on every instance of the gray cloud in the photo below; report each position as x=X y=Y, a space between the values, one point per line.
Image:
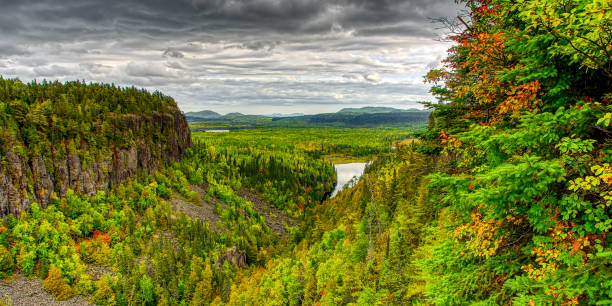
x=147 y=70
x=95 y=68
x=246 y=55
x=372 y=77
x=52 y=71
x=173 y=53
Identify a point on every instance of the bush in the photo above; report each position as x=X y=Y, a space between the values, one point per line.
x=6 y=262
x=84 y=285
x=147 y=291
x=104 y=294
x=26 y=261
x=56 y=285
x=193 y=197
x=96 y=250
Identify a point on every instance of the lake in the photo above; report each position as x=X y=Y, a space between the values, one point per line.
x=217 y=131
x=345 y=172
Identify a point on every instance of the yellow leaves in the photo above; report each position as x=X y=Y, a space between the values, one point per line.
x=606 y=119
x=480 y=236
x=602 y=176
x=56 y=285
x=514 y=220
x=580 y=27
x=450 y=141
x=579 y=243
x=546 y=260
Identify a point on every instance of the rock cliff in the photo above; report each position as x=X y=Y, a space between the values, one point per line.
x=153 y=139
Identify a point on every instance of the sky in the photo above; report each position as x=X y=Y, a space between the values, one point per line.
x=249 y=56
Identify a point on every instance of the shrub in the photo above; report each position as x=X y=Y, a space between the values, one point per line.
x=193 y=197
x=84 y=285
x=25 y=260
x=96 y=249
x=56 y=285
x=6 y=262
x=104 y=294
x=147 y=290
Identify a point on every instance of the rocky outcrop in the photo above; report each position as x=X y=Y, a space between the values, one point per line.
x=26 y=179
x=233 y=256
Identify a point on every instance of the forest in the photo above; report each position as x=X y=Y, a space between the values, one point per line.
x=503 y=199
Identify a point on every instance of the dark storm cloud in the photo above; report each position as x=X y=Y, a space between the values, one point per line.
x=66 y=19
x=173 y=53
x=259 y=45
x=8 y=49
x=244 y=53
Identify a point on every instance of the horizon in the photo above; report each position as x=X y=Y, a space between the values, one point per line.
x=258 y=57
x=301 y=113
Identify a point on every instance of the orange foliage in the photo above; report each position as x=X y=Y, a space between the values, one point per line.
x=480 y=235
x=521 y=97
x=104 y=238
x=96 y=249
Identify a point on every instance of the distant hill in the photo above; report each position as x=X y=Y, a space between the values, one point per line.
x=359 y=119
x=370 y=110
x=205 y=114
x=347 y=117
x=233 y=115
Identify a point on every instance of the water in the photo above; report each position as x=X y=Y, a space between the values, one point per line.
x=345 y=173
x=217 y=131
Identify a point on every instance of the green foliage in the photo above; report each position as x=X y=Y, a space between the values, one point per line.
x=51 y=125
x=103 y=294
x=147 y=291
x=284 y=165
x=524 y=184
x=6 y=262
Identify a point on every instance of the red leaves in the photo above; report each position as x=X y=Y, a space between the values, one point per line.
x=521 y=97
x=104 y=238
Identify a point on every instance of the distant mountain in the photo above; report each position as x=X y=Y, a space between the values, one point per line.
x=233 y=115
x=370 y=110
x=198 y=116
x=347 y=117
x=359 y=119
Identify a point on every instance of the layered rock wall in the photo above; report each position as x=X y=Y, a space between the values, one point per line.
x=26 y=179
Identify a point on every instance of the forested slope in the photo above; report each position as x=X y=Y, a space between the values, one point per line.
x=523 y=125
x=360 y=247
x=507 y=200
x=82 y=137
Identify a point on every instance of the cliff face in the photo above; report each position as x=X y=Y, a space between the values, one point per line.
x=153 y=139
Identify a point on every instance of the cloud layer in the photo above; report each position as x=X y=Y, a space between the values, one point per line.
x=252 y=56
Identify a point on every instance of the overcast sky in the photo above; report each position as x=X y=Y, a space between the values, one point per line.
x=250 y=56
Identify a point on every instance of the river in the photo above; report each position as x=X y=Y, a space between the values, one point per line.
x=345 y=173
